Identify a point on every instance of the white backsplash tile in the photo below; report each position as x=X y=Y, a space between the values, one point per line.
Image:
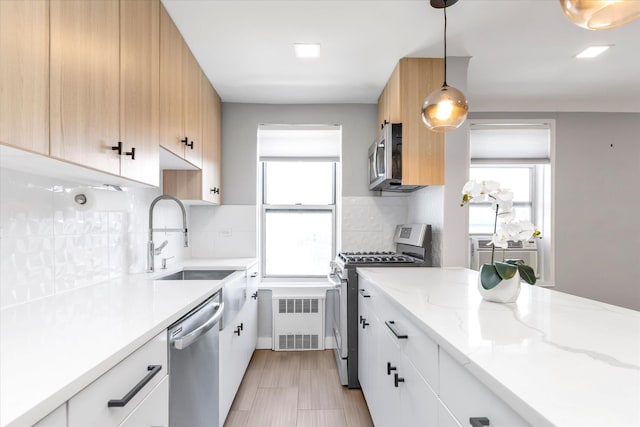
x=369 y=223
x=49 y=245
x=227 y=231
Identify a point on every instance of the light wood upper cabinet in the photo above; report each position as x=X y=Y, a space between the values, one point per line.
x=401 y=102
x=212 y=143
x=139 y=89
x=180 y=92
x=171 y=87
x=202 y=185
x=24 y=74
x=192 y=108
x=105 y=85
x=85 y=77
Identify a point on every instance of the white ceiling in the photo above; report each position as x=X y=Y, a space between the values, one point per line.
x=522 y=51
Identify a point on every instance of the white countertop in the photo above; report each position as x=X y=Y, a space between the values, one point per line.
x=553 y=357
x=52 y=348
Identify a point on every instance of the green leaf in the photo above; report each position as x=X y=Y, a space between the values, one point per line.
x=506 y=270
x=527 y=274
x=514 y=261
x=489 y=276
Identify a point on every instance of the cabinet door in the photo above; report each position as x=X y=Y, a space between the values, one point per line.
x=85 y=74
x=24 y=75
x=139 y=89
x=192 y=107
x=171 y=88
x=154 y=409
x=211 y=143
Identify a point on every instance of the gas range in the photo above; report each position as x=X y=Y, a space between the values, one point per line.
x=413 y=249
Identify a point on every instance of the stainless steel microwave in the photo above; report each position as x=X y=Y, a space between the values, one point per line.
x=385 y=160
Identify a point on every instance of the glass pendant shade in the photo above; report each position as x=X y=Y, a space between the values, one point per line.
x=444 y=109
x=601 y=14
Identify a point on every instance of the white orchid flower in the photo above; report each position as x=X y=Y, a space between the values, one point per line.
x=490 y=186
x=507 y=215
x=471 y=190
x=499 y=240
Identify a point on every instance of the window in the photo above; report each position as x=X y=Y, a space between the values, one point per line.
x=299 y=167
x=519 y=179
x=517 y=154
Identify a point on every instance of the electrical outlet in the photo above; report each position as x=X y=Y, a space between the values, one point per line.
x=225 y=232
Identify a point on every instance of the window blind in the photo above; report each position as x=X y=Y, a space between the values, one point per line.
x=299 y=142
x=509 y=144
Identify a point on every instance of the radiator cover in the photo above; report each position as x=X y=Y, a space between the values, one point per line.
x=298 y=322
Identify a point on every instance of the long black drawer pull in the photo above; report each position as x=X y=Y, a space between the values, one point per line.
x=118 y=403
x=479 y=421
x=362 y=292
x=397 y=379
x=392 y=325
x=364 y=323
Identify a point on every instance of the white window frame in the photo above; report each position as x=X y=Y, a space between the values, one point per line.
x=548 y=249
x=295 y=208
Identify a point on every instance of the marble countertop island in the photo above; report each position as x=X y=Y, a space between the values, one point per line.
x=554 y=358
x=53 y=347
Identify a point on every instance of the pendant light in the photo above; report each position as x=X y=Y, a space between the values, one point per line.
x=446 y=108
x=601 y=14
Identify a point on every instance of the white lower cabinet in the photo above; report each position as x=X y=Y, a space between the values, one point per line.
x=431 y=388
x=153 y=410
x=237 y=343
x=123 y=387
x=56 y=418
x=397 y=395
x=466 y=397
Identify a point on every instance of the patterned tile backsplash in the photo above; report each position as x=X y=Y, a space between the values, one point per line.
x=49 y=245
x=369 y=223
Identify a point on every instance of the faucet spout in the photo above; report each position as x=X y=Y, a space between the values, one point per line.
x=184 y=229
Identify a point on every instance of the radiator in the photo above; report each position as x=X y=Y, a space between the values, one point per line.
x=298 y=322
x=481 y=254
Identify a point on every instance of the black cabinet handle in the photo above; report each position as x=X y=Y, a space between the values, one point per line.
x=479 y=421
x=362 y=292
x=185 y=141
x=255 y=295
x=361 y=319
x=118 y=148
x=390 y=368
x=190 y=145
x=241 y=326
x=364 y=323
x=131 y=153
x=397 y=379
x=392 y=325
x=214 y=190
x=237 y=331
x=153 y=370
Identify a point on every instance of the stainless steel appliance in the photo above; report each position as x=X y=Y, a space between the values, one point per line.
x=385 y=160
x=193 y=366
x=413 y=249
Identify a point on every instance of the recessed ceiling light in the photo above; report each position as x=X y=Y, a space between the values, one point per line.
x=592 y=51
x=307 y=50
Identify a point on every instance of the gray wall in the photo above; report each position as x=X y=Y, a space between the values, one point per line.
x=597 y=204
x=239 y=131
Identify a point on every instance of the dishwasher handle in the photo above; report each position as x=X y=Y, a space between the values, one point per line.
x=186 y=340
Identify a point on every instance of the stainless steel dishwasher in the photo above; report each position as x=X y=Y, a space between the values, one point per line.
x=193 y=366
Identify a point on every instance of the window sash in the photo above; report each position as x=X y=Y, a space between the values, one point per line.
x=299 y=209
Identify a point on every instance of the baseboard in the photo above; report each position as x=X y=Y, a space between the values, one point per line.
x=329 y=343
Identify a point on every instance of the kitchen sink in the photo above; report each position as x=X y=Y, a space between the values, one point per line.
x=198 y=275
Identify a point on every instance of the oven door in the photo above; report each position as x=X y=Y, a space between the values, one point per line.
x=339 y=324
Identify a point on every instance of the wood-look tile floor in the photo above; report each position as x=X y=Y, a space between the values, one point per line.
x=296 y=389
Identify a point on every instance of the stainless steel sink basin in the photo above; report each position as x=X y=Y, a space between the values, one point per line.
x=198 y=275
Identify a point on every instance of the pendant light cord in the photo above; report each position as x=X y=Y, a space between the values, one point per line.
x=445 y=44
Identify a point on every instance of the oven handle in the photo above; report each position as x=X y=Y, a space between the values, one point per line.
x=335 y=280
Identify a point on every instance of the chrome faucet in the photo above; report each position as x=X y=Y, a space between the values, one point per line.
x=150 y=246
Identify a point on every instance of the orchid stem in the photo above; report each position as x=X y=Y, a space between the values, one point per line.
x=495 y=227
